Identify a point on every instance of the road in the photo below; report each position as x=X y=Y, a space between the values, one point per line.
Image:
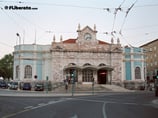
x=105 y=105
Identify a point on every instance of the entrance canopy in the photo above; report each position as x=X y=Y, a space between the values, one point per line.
x=72 y=67
x=105 y=68
x=92 y=67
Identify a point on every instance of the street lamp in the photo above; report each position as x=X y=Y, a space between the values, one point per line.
x=19 y=37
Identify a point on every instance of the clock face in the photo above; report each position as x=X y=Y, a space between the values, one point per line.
x=87 y=36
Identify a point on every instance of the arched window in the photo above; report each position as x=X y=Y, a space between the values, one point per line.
x=70 y=64
x=137 y=73
x=17 y=71
x=28 y=71
x=87 y=75
x=86 y=64
x=102 y=64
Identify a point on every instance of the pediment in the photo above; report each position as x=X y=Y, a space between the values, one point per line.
x=117 y=49
x=87 y=28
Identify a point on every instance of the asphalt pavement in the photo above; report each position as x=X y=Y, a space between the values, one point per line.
x=138 y=104
x=70 y=93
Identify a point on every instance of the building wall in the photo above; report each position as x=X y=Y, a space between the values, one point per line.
x=134 y=63
x=50 y=61
x=62 y=59
x=151 y=51
x=49 y=64
x=37 y=56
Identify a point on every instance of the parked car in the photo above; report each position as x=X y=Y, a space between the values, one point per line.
x=39 y=87
x=13 y=85
x=26 y=86
x=3 y=84
x=9 y=84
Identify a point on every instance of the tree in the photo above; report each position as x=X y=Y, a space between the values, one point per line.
x=6 y=67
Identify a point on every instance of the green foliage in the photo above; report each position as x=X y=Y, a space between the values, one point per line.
x=6 y=66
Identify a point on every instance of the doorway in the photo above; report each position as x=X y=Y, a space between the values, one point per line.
x=102 y=76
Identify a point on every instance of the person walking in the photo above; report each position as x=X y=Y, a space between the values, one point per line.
x=66 y=85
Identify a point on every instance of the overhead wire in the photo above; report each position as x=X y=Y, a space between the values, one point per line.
x=115 y=13
x=110 y=10
x=2 y=43
x=27 y=20
x=127 y=12
x=68 y=5
x=22 y=17
x=119 y=8
x=12 y=19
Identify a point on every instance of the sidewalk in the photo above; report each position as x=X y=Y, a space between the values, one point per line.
x=22 y=93
x=77 y=91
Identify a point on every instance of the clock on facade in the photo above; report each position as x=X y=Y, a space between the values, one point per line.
x=87 y=36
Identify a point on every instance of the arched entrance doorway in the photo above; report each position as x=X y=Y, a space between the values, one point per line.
x=71 y=72
x=102 y=76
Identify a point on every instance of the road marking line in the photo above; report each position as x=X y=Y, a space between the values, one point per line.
x=104 y=111
x=31 y=108
x=14 y=114
x=130 y=103
x=41 y=104
x=155 y=101
x=89 y=100
x=75 y=116
x=51 y=102
x=28 y=107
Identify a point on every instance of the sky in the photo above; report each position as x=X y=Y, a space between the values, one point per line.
x=134 y=22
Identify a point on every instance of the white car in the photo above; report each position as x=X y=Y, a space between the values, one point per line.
x=13 y=85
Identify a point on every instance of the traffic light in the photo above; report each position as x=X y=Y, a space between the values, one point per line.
x=72 y=72
x=72 y=75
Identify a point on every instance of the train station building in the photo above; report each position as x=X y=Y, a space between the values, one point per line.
x=83 y=59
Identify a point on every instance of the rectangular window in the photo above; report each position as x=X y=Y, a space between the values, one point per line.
x=154 y=47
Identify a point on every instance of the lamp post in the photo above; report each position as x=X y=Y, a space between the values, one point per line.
x=73 y=80
x=19 y=37
x=110 y=63
x=93 y=86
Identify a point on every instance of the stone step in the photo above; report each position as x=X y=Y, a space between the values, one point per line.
x=97 y=87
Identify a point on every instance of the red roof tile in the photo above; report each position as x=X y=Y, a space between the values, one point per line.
x=74 y=41
x=70 y=41
x=102 y=42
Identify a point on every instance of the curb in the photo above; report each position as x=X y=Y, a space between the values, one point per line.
x=47 y=95
x=155 y=101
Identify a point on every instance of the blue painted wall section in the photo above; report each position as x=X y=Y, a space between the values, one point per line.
x=133 y=58
x=128 y=70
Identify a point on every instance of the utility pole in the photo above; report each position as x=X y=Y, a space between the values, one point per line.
x=19 y=37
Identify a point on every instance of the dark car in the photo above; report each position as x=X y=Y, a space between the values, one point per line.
x=39 y=87
x=26 y=86
x=13 y=85
x=3 y=84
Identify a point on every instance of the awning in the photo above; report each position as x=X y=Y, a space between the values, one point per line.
x=72 y=67
x=105 y=68
x=92 y=67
